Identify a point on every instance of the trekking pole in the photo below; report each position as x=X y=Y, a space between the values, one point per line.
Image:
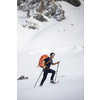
x=56 y=72
x=38 y=79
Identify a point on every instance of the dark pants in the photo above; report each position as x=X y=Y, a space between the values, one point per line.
x=46 y=71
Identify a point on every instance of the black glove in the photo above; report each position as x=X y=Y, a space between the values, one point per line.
x=58 y=62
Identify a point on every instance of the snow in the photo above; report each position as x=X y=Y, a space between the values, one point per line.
x=66 y=39
x=61 y=91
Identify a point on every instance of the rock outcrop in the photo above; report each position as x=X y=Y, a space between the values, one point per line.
x=22 y=77
x=40 y=17
x=73 y=2
x=47 y=7
x=30 y=25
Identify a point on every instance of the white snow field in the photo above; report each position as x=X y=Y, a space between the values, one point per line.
x=66 y=39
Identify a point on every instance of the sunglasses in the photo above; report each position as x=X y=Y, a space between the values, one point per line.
x=52 y=55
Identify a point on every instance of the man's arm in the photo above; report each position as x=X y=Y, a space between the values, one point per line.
x=56 y=63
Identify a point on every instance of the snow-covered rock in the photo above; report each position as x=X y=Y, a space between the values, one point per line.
x=40 y=17
x=46 y=7
x=73 y=2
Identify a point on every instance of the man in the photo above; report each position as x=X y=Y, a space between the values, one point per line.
x=48 y=62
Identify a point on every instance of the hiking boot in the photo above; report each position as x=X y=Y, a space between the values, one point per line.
x=41 y=85
x=52 y=81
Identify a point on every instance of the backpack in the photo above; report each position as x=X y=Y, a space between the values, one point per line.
x=41 y=59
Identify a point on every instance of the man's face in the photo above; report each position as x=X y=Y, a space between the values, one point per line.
x=52 y=56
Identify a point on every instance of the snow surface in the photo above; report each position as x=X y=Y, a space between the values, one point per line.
x=66 y=39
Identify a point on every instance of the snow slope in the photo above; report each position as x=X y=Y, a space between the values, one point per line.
x=66 y=39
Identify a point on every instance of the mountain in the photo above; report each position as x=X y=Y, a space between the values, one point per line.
x=64 y=37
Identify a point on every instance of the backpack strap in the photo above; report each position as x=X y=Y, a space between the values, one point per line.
x=47 y=63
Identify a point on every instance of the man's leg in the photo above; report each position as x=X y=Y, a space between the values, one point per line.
x=44 y=78
x=51 y=71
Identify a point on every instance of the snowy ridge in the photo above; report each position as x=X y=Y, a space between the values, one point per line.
x=63 y=33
